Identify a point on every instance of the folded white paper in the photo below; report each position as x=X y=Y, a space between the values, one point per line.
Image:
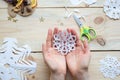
x=110 y=67
x=112 y=8
x=64 y=42
x=14 y=61
x=89 y=2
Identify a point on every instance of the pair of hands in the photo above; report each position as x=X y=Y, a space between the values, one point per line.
x=77 y=61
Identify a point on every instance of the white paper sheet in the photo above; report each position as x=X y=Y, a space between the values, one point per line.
x=14 y=62
x=77 y=2
x=64 y=42
x=110 y=67
x=112 y=8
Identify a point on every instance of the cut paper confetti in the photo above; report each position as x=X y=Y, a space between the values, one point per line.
x=89 y=2
x=14 y=61
x=112 y=8
x=70 y=13
x=110 y=67
x=75 y=2
x=64 y=42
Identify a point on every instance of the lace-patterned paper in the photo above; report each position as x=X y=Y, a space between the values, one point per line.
x=76 y=2
x=64 y=42
x=14 y=61
x=110 y=67
x=112 y=8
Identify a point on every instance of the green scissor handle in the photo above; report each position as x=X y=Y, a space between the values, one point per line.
x=87 y=32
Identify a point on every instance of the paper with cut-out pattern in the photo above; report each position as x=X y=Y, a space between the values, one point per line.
x=14 y=61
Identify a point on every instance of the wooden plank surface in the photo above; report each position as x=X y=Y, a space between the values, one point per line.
x=43 y=72
x=31 y=31
x=58 y=3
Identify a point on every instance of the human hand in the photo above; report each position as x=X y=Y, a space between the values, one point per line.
x=78 y=60
x=55 y=61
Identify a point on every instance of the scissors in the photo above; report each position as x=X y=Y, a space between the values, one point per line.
x=86 y=31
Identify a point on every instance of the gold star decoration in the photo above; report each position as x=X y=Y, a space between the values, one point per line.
x=42 y=19
x=12 y=19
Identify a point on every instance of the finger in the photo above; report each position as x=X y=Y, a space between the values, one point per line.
x=49 y=38
x=44 y=48
x=78 y=41
x=87 y=50
x=68 y=30
x=55 y=30
x=44 y=52
x=86 y=46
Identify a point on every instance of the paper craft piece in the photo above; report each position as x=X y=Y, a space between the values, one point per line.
x=110 y=67
x=75 y=2
x=69 y=14
x=89 y=2
x=112 y=8
x=14 y=61
x=64 y=42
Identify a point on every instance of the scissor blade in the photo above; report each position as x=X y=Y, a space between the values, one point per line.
x=77 y=21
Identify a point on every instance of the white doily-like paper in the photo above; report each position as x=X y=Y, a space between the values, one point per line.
x=14 y=61
x=110 y=67
x=64 y=42
x=112 y=8
x=76 y=2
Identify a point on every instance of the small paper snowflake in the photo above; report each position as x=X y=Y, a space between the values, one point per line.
x=76 y=2
x=110 y=67
x=112 y=8
x=64 y=42
x=14 y=62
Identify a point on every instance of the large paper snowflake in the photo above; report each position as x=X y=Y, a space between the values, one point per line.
x=64 y=42
x=110 y=67
x=76 y=2
x=112 y=8
x=14 y=62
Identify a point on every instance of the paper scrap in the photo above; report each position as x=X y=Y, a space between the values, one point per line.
x=77 y=2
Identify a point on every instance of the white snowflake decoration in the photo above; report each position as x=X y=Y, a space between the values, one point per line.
x=89 y=2
x=64 y=42
x=110 y=67
x=14 y=62
x=112 y=8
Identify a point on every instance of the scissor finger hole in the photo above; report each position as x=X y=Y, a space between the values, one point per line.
x=84 y=37
x=92 y=33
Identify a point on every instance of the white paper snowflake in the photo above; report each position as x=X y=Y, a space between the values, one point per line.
x=112 y=8
x=64 y=42
x=89 y=2
x=14 y=62
x=110 y=67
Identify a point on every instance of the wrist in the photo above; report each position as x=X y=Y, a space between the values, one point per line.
x=81 y=75
x=57 y=76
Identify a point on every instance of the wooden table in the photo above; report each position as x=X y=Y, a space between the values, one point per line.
x=30 y=30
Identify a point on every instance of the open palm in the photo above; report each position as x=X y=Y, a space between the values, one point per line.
x=78 y=60
x=55 y=61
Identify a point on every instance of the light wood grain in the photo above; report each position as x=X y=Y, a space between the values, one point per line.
x=58 y=3
x=31 y=31
x=43 y=72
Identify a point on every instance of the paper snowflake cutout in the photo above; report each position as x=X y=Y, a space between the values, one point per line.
x=64 y=42
x=89 y=2
x=14 y=62
x=110 y=67
x=112 y=8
